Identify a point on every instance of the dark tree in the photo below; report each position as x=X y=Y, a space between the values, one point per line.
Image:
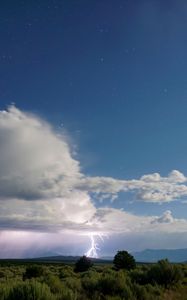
x=83 y=264
x=124 y=260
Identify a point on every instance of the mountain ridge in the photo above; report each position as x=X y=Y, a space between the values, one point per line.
x=153 y=255
x=147 y=256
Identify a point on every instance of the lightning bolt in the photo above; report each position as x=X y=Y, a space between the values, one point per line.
x=92 y=252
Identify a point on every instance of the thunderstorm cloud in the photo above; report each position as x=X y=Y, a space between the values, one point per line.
x=43 y=189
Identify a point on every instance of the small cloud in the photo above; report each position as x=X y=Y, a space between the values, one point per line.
x=165 y=218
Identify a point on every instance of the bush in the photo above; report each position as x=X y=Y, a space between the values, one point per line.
x=90 y=283
x=115 y=284
x=138 y=276
x=54 y=283
x=34 y=271
x=66 y=271
x=73 y=284
x=164 y=273
x=2 y=274
x=5 y=291
x=83 y=264
x=124 y=260
x=67 y=294
x=147 y=292
x=30 y=290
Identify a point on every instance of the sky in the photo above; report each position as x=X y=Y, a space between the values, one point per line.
x=93 y=143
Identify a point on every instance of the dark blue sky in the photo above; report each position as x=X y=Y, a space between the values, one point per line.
x=113 y=72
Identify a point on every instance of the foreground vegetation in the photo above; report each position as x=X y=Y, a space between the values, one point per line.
x=84 y=281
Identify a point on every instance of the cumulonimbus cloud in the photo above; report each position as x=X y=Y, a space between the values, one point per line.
x=42 y=186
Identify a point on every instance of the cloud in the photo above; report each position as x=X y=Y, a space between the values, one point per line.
x=43 y=189
x=149 y=188
x=119 y=221
x=35 y=161
x=37 y=176
x=117 y=225
x=165 y=218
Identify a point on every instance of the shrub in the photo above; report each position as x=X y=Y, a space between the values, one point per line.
x=124 y=260
x=2 y=274
x=67 y=294
x=90 y=283
x=30 y=290
x=4 y=291
x=147 y=292
x=115 y=284
x=66 y=271
x=54 y=283
x=72 y=283
x=164 y=273
x=83 y=264
x=138 y=276
x=34 y=271
x=113 y=298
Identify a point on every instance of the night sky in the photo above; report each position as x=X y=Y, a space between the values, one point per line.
x=93 y=127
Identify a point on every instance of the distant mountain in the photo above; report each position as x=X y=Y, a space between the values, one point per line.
x=56 y=258
x=148 y=255
x=107 y=258
x=151 y=255
x=65 y=259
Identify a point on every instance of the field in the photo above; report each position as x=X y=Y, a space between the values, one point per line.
x=26 y=280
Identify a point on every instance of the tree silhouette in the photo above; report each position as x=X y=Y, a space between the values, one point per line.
x=83 y=264
x=124 y=260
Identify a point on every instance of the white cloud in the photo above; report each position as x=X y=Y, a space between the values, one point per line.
x=165 y=218
x=35 y=162
x=118 y=221
x=38 y=176
x=43 y=189
x=149 y=188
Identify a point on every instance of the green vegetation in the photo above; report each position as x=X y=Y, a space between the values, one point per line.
x=124 y=260
x=86 y=281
